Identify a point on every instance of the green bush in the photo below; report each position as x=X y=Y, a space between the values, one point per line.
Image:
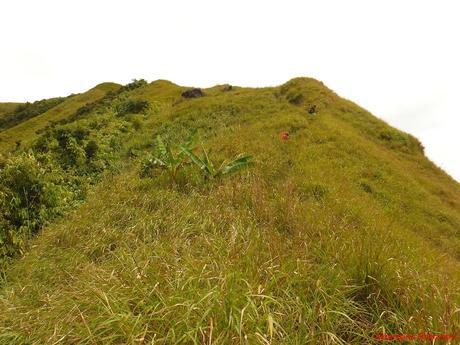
x=91 y=149
x=135 y=83
x=71 y=154
x=132 y=107
x=28 y=198
x=42 y=144
x=295 y=98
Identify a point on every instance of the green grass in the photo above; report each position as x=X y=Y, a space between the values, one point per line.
x=333 y=236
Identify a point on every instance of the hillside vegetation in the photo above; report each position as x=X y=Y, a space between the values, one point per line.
x=22 y=112
x=25 y=131
x=8 y=107
x=341 y=228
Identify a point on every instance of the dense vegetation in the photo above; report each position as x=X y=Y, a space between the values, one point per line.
x=53 y=173
x=340 y=230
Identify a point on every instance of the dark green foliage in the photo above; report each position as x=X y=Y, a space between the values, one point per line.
x=85 y=109
x=71 y=154
x=42 y=143
x=295 y=98
x=70 y=146
x=91 y=149
x=135 y=83
x=28 y=110
x=366 y=187
x=80 y=133
x=132 y=107
x=312 y=109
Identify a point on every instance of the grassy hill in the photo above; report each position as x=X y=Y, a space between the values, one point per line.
x=339 y=232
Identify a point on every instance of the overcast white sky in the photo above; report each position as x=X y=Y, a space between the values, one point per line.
x=399 y=59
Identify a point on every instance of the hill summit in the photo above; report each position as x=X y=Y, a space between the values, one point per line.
x=131 y=215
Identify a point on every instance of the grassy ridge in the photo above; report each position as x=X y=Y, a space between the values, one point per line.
x=26 y=131
x=25 y=111
x=343 y=231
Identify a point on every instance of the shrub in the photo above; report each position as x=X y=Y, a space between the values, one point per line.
x=295 y=98
x=91 y=149
x=135 y=83
x=132 y=107
x=42 y=144
x=70 y=152
x=28 y=198
x=79 y=134
x=83 y=110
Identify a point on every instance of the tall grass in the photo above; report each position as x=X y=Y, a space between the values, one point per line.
x=292 y=251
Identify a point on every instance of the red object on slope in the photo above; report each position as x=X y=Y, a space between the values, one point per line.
x=284 y=135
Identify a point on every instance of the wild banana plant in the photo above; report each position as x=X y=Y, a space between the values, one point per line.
x=211 y=171
x=166 y=159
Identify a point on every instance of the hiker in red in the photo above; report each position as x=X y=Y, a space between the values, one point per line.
x=284 y=135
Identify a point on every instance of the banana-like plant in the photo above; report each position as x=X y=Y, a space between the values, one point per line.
x=168 y=160
x=227 y=167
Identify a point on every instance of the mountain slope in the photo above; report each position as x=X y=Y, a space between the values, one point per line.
x=341 y=232
x=27 y=130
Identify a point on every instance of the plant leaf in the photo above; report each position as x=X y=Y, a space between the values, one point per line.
x=194 y=158
x=189 y=144
x=161 y=146
x=240 y=162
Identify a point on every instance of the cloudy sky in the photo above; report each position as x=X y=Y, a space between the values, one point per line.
x=399 y=59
